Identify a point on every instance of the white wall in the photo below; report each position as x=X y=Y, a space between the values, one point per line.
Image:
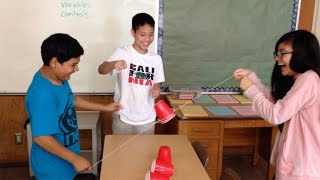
x=99 y=25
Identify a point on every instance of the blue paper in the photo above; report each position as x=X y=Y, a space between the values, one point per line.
x=221 y=111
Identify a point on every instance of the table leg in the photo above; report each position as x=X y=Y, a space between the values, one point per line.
x=256 y=155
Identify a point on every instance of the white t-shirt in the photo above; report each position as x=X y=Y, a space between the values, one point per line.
x=134 y=84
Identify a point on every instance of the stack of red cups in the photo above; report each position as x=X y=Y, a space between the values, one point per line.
x=161 y=168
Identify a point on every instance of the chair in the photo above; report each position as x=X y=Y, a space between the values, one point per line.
x=202 y=153
x=229 y=174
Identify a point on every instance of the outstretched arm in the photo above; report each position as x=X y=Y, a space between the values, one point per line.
x=107 y=67
x=85 y=104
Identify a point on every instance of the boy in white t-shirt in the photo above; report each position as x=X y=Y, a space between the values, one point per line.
x=139 y=76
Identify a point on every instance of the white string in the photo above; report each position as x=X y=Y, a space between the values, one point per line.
x=105 y=157
x=201 y=95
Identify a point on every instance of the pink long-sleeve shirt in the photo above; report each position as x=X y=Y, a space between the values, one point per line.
x=297 y=154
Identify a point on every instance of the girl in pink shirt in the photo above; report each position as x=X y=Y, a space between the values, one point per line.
x=294 y=101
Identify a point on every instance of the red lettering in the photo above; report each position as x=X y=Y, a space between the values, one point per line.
x=148 y=82
x=133 y=80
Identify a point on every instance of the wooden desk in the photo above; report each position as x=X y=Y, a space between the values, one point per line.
x=212 y=130
x=134 y=159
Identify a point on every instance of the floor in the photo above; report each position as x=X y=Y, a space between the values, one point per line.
x=242 y=166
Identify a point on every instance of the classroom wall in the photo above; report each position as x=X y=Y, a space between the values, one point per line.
x=100 y=26
x=13 y=113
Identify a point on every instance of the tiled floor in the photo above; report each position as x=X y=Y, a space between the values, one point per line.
x=242 y=166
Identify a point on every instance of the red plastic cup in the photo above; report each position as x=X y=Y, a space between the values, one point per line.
x=164 y=112
x=164 y=154
x=162 y=167
x=156 y=176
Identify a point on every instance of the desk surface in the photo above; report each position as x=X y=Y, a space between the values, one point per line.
x=134 y=159
x=176 y=104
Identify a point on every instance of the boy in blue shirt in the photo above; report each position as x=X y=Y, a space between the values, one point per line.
x=51 y=106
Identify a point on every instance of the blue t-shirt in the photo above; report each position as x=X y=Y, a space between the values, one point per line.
x=51 y=111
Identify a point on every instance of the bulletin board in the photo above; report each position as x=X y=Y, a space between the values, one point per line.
x=99 y=25
x=203 y=42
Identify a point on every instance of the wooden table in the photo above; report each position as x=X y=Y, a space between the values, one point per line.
x=216 y=133
x=134 y=158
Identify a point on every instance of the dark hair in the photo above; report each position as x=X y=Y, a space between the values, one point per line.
x=61 y=46
x=141 y=19
x=305 y=56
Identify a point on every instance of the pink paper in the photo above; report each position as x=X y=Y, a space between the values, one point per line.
x=244 y=110
x=224 y=98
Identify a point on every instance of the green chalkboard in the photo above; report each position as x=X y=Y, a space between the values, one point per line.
x=204 y=41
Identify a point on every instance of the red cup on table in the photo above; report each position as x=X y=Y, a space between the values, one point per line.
x=162 y=167
x=164 y=154
x=156 y=176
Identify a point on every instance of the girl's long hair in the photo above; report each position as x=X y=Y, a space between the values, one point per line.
x=305 y=56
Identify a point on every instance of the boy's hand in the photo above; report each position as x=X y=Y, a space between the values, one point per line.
x=155 y=92
x=112 y=107
x=240 y=73
x=81 y=164
x=245 y=83
x=119 y=65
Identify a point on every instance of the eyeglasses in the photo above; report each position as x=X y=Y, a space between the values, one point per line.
x=280 y=54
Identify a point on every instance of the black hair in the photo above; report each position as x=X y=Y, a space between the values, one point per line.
x=305 y=56
x=141 y=19
x=61 y=46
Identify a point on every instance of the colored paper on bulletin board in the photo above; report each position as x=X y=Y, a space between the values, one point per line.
x=221 y=111
x=242 y=99
x=244 y=110
x=204 y=99
x=178 y=101
x=193 y=110
x=224 y=98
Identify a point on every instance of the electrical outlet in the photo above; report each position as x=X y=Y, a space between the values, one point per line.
x=18 y=138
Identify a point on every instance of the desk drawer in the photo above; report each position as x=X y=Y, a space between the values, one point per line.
x=194 y=128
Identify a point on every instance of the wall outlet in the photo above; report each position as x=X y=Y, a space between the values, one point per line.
x=18 y=138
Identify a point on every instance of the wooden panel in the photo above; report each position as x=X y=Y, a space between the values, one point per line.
x=247 y=123
x=239 y=137
x=12 y=118
x=85 y=139
x=306 y=14
x=200 y=129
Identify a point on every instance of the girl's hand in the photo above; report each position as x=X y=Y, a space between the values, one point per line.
x=119 y=65
x=112 y=107
x=245 y=83
x=240 y=73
